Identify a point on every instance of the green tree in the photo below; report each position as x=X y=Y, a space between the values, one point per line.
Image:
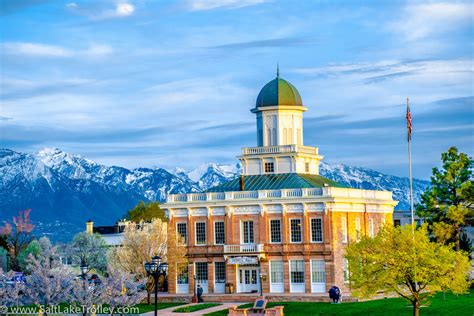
x=89 y=249
x=146 y=212
x=448 y=204
x=404 y=261
x=41 y=249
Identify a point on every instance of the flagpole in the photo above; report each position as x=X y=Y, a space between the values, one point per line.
x=409 y=163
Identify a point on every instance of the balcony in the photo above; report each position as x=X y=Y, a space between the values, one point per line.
x=243 y=249
x=279 y=150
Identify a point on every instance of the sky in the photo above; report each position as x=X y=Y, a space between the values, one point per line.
x=171 y=83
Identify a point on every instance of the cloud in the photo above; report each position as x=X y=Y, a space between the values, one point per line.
x=204 y=5
x=276 y=42
x=45 y=50
x=422 y=20
x=102 y=11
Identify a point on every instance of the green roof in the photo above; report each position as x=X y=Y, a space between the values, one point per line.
x=276 y=182
x=278 y=92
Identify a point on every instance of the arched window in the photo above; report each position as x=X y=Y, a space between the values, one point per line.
x=269 y=137
x=274 y=137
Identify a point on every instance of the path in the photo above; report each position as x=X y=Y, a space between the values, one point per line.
x=169 y=311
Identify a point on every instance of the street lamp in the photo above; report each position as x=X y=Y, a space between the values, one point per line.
x=261 y=286
x=84 y=269
x=152 y=269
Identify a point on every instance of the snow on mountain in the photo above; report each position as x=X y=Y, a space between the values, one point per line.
x=64 y=190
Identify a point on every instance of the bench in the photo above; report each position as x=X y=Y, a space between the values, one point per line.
x=258 y=309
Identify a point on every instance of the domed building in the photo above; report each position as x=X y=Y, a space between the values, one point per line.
x=280 y=228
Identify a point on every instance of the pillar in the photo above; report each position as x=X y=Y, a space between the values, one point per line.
x=210 y=275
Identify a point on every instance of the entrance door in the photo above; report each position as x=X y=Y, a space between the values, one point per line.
x=248 y=280
x=201 y=276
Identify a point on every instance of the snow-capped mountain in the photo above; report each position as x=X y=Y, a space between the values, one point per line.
x=65 y=190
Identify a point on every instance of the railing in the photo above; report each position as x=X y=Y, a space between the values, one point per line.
x=279 y=194
x=279 y=150
x=244 y=248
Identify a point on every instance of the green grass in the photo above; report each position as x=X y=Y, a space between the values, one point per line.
x=145 y=308
x=453 y=305
x=193 y=308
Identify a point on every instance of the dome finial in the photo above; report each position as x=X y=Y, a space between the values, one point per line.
x=278 y=70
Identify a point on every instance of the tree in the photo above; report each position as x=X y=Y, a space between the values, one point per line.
x=18 y=235
x=122 y=289
x=87 y=295
x=9 y=291
x=146 y=212
x=89 y=249
x=48 y=284
x=448 y=204
x=402 y=260
x=41 y=249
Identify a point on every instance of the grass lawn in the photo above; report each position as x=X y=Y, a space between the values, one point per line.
x=145 y=308
x=193 y=308
x=453 y=305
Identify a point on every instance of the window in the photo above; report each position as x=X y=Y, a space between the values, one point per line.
x=357 y=228
x=346 y=271
x=317 y=230
x=285 y=137
x=201 y=271
x=318 y=271
x=247 y=228
x=298 y=133
x=396 y=223
x=219 y=272
x=306 y=167
x=274 y=137
x=200 y=233
x=371 y=227
x=297 y=271
x=219 y=234
x=295 y=225
x=269 y=167
x=344 y=229
x=182 y=231
x=269 y=137
x=276 y=271
x=183 y=276
x=275 y=231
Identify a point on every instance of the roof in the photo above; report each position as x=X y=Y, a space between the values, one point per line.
x=278 y=92
x=276 y=182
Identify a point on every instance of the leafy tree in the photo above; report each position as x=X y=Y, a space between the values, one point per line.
x=4 y=242
x=404 y=261
x=10 y=293
x=17 y=235
x=89 y=249
x=448 y=205
x=41 y=249
x=146 y=212
x=87 y=296
x=122 y=290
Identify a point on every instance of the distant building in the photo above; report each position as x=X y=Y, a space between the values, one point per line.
x=112 y=235
x=403 y=217
x=280 y=226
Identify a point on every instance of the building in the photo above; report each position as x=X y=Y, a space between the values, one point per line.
x=112 y=235
x=280 y=227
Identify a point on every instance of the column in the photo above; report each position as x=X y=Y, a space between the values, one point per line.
x=230 y=271
x=210 y=275
x=191 y=277
x=306 y=227
x=286 y=274
x=264 y=269
x=307 y=274
x=210 y=228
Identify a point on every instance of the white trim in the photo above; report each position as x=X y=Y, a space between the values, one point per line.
x=242 y=232
x=270 y=231
x=297 y=287
x=187 y=232
x=301 y=225
x=317 y=287
x=276 y=287
x=311 y=230
x=195 y=233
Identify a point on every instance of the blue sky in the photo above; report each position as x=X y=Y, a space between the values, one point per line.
x=157 y=83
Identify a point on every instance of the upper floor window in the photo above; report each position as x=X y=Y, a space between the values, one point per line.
x=182 y=229
x=275 y=231
x=317 y=230
x=295 y=228
x=200 y=233
x=219 y=233
x=306 y=167
x=269 y=167
x=346 y=271
x=343 y=229
x=357 y=228
x=247 y=232
x=371 y=227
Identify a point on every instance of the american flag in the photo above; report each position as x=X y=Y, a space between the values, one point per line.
x=408 y=120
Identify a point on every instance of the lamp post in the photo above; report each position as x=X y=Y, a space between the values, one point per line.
x=152 y=269
x=261 y=286
x=84 y=269
x=194 y=299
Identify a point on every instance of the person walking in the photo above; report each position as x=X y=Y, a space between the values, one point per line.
x=199 y=294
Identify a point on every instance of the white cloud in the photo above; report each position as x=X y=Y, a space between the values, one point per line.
x=204 y=5
x=423 y=20
x=44 y=50
x=97 y=11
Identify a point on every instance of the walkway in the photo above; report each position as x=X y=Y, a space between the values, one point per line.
x=169 y=311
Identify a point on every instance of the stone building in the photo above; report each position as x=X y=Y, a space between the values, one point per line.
x=280 y=227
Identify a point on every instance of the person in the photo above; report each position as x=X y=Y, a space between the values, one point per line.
x=199 y=293
x=335 y=294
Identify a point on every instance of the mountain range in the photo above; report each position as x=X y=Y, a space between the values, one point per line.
x=65 y=190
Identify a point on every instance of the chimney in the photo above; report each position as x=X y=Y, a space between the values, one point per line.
x=242 y=183
x=90 y=227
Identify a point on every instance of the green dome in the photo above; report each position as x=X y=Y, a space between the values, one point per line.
x=278 y=92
